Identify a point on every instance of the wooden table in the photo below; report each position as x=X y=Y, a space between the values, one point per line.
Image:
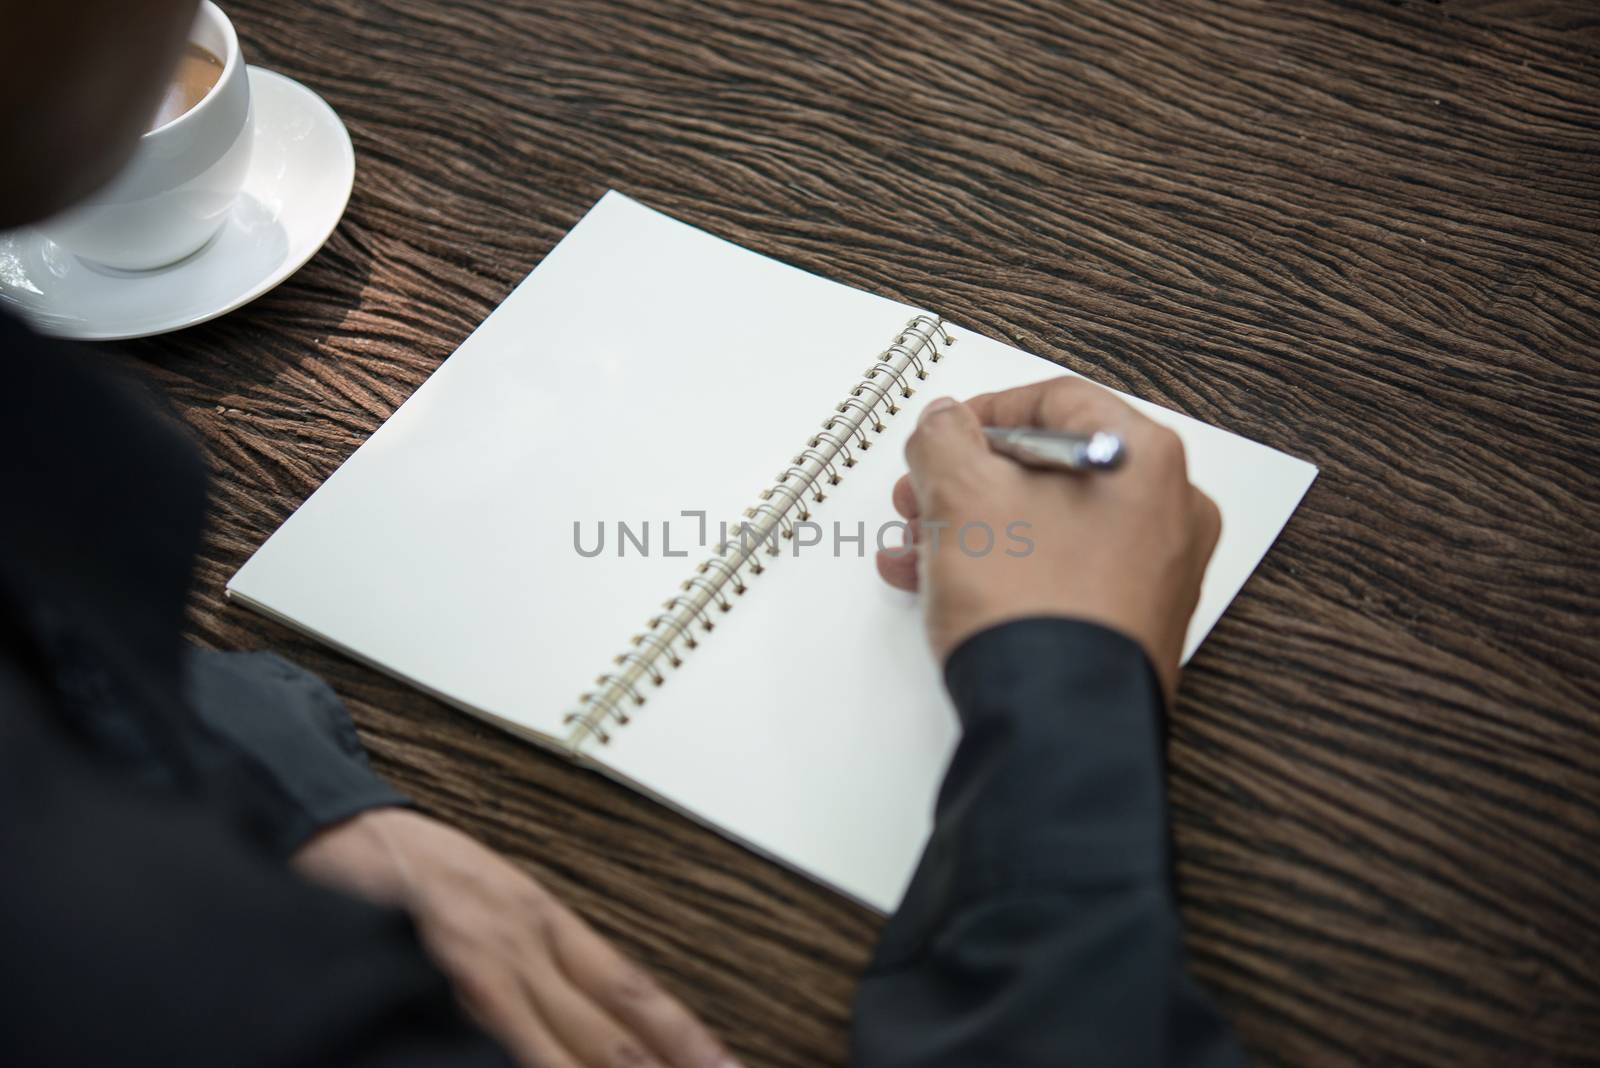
x=1364 y=233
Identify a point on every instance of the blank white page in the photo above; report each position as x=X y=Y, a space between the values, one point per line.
x=813 y=724
x=643 y=368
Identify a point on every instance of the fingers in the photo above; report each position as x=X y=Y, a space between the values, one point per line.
x=1161 y=449
x=1208 y=518
x=904 y=498
x=503 y=1009
x=595 y=1038
x=947 y=454
x=619 y=992
x=898 y=566
x=1064 y=403
x=948 y=434
x=534 y=975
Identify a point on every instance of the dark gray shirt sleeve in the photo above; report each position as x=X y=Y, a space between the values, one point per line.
x=105 y=497
x=1041 y=926
x=139 y=929
x=275 y=747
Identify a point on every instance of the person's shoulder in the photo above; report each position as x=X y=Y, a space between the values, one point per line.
x=62 y=400
x=28 y=353
x=41 y=370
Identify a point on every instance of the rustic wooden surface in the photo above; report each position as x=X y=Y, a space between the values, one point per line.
x=1365 y=233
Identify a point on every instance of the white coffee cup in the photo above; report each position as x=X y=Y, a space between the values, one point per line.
x=175 y=193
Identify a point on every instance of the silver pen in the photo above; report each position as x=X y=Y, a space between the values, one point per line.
x=1058 y=450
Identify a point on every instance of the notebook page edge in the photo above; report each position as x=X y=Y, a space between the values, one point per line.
x=588 y=760
x=531 y=734
x=480 y=328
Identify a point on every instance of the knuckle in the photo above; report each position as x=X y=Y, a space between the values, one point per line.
x=1064 y=402
x=491 y=994
x=1167 y=447
x=548 y=925
x=633 y=985
x=933 y=424
x=1071 y=403
x=916 y=446
x=1066 y=387
x=916 y=441
x=465 y=930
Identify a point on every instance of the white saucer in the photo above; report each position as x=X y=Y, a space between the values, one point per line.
x=301 y=171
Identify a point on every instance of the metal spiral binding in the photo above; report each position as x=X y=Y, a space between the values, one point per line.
x=771 y=519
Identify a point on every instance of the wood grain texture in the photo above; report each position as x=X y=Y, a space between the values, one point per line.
x=1365 y=233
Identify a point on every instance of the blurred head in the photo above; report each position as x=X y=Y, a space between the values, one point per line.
x=79 y=81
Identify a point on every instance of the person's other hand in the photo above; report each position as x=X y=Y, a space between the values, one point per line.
x=535 y=976
x=1126 y=549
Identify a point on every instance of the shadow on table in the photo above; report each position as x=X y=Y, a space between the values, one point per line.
x=251 y=348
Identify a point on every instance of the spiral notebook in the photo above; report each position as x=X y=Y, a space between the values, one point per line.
x=633 y=518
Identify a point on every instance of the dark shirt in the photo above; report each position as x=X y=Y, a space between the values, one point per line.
x=150 y=794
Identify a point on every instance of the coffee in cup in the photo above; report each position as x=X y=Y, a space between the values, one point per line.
x=175 y=192
x=198 y=71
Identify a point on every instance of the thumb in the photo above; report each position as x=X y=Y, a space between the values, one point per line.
x=946 y=446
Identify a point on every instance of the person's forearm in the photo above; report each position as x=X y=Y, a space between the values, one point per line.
x=139 y=929
x=1040 y=928
x=274 y=749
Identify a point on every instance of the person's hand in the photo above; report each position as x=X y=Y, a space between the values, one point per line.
x=1126 y=549
x=534 y=975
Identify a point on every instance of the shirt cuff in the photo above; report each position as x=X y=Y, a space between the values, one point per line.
x=1060 y=776
x=277 y=748
x=1056 y=790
